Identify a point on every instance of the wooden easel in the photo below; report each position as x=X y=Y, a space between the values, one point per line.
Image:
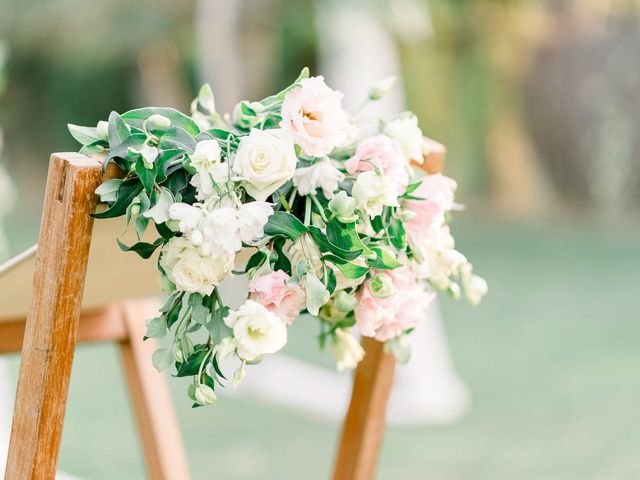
x=54 y=324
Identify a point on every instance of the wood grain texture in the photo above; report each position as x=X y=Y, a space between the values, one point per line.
x=149 y=393
x=102 y=325
x=363 y=427
x=52 y=320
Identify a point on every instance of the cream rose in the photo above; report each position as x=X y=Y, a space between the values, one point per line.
x=191 y=272
x=265 y=161
x=256 y=330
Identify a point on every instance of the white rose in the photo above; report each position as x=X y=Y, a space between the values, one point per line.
x=252 y=217
x=265 y=160
x=372 y=192
x=347 y=350
x=206 y=155
x=406 y=132
x=321 y=174
x=191 y=272
x=256 y=330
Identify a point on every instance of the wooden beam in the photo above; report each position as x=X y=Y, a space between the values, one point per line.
x=103 y=325
x=151 y=398
x=52 y=320
x=363 y=427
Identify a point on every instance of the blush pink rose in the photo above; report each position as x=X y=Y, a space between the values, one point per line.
x=437 y=195
x=313 y=115
x=386 y=318
x=382 y=152
x=275 y=295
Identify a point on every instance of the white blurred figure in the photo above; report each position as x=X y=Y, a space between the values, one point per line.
x=355 y=51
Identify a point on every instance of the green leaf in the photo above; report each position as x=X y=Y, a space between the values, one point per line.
x=285 y=224
x=162 y=359
x=127 y=191
x=348 y=269
x=108 y=190
x=137 y=117
x=156 y=327
x=84 y=135
x=177 y=138
x=326 y=246
x=397 y=234
x=255 y=261
x=384 y=260
x=411 y=188
x=144 y=249
x=217 y=328
x=160 y=211
x=199 y=313
x=118 y=130
x=146 y=175
x=317 y=294
x=192 y=364
x=345 y=236
x=279 y=259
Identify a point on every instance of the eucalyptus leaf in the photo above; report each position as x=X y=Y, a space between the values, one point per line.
x=317 y=294
x=162 y=359
x=108 y=190
x=160 y=211
x=84 y=135
x=157 y=327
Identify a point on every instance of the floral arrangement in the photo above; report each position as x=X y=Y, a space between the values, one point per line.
x=326 y=210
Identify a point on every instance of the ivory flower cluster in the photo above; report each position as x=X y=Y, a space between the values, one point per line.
x=329 y=220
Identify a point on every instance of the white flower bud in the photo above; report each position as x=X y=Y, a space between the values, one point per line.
x=205 y=395
x=381 y=286
x=196 y=237
x=343 y=206
x=408 y=215
x=347 y=350
x=102 y=129
x=475 y=288
x=239 y=374
x=159 y=121
x=454 y=290
x=344 y=302
x=382 y=88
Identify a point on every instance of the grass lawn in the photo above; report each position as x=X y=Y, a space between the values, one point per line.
x=551 y=359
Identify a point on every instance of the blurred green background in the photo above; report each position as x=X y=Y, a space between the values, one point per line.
x=539 y=105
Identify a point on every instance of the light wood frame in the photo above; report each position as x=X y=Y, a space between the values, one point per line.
x=54 y=325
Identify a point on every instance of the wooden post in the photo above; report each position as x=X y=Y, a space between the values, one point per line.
x=52 y=320
x=157 y=424
x=364 y=425
x=363 y=428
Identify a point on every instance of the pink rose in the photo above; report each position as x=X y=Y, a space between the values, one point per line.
x=313 y=115
x=385 y=318
x=437 y=194
x=382 y=152
x=275 y=295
